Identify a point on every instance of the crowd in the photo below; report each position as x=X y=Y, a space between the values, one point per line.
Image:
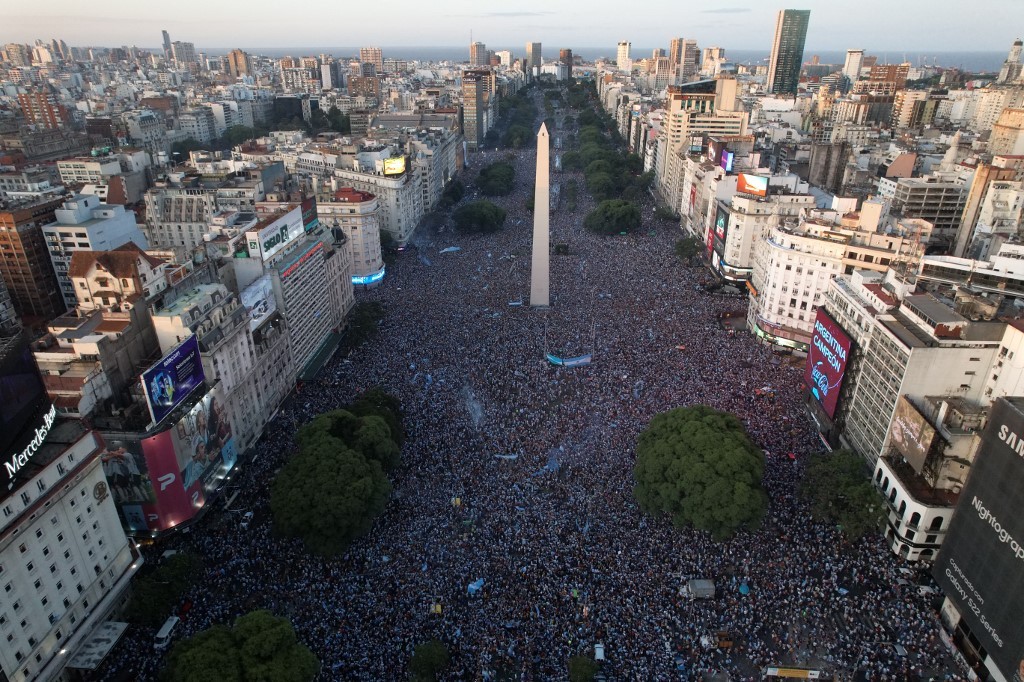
x=519 y=473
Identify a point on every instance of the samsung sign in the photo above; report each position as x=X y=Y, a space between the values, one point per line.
x=21 y=459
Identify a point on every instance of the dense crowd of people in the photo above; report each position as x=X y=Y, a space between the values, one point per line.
x=518 y=473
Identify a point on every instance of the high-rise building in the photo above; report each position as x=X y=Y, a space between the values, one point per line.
x=42 y=110
x=183 y=53
x=710 y=59
x=787 y=54
x=25 y=260
x=675 y=52
x=622 y=60
x=167 y=44
x=1011 y=67
x=239 y=63
x=18 y=54
x=372 y=55
x=852 y=66
x=475 y=104
x=565 y=56
x=689 y=65
x=477 y=54
x=533 y=58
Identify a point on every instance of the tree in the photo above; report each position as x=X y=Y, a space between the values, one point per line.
x=260 y=647
x=428 y=659
x=698 y=465
x=237 y=135
x=516 y=136
x=328 y=496
x=666 y=214
x=613 y=216
x=582 y=669
x=451 y=195
x=388 y=247
x=369 y=435
x=364 y=323
x=377 y=402
x=185 y=147
x=687 y=248
x=156 y=594
x=479 y=216
x=338 y=121
x=838 y=488
x=601 y=185
x=497 y=179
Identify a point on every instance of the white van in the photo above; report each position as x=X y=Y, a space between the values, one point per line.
x=163 y=636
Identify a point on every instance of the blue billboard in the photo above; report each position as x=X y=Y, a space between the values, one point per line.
x=168 y=382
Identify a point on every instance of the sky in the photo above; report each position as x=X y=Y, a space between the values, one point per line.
x=895 y=25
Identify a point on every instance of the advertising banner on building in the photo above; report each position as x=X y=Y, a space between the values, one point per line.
x=258 y=298
x=394 y=166
x=826 y=361
x=911 y=434
x=721 y=230
x=981 y=564
x=173 y=379
x=202 y=440
x=752 y=184
x=271 y=238
x=310 y=217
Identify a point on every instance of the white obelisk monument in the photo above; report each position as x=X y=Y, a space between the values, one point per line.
x=539 y=294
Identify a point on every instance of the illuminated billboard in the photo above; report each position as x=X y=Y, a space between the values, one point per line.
x=826 y=361
x=981 y=564
x=168 y=382
x=310 y=217
x=727 y=161
x=395 y=166
x=276 y=234
x=752 y=184
x=258 y=298
x=714 y=150
x=720 y=230
x=911 y=434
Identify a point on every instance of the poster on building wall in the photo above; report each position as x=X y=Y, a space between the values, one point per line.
x=258 y=298
x=173 y=379
x=911 y=434
x=827 y=357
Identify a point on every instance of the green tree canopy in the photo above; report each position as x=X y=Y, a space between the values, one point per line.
x=428 y=660
x=236 y=135
x=687 y=248
x=838 y=488
x=377 y=402
x=363 y=322
x=260 y=647
x=479 y=216
x=613 y=216
x=698 y=465
x=156 y=593
x=582 y=669
x=333 y=489
x=497 y=179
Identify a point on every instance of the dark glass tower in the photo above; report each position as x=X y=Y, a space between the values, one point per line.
x=788 y=51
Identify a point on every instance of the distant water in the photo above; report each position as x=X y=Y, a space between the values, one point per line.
x=971 y=61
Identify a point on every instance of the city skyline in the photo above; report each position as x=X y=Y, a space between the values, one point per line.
x=740 y=24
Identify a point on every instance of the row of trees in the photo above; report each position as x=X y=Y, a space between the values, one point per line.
x=698 y=466
x=479 y=217
x=497 y=180
x=336 y=485
x=157 y=593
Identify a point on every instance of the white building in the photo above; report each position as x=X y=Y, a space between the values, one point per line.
x=355 y=213
x=88 y=170
x=83 y=223
x=66 y=561
x=399 y=194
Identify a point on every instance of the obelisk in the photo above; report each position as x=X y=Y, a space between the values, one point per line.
x=539 y=294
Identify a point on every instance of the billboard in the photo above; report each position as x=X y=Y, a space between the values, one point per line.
x=911 y=434
x=752 y=184
x=168 y=382
x=310 y=217
x=395 y=166
x=826 y=361
x=981 y=564
x=22 y=395
x=720 y=230
x=258 y=298
x=160 y=481
x=715 y=149
x=277 y=234
x=727 y=161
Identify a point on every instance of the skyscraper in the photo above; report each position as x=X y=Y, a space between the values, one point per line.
x=475 y=99
x=478 y=54
x=372 y=55
x=167 y=44
x=1011 y=67
x=622 y=60
x=853 y=65
x=239 y=63
x=788 y=51
x=533 y=57
x=565 y=56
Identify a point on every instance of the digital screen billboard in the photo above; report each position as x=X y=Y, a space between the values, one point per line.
x=258 y=298
x=714 y=150
x=310 y=217
x=752 y=184
x=168 y=382
x=22 y=395
x=395 y=166
x=981 y=564
x=273 y=237
x=911 y=434
x=826 y=361
x=727 y=161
